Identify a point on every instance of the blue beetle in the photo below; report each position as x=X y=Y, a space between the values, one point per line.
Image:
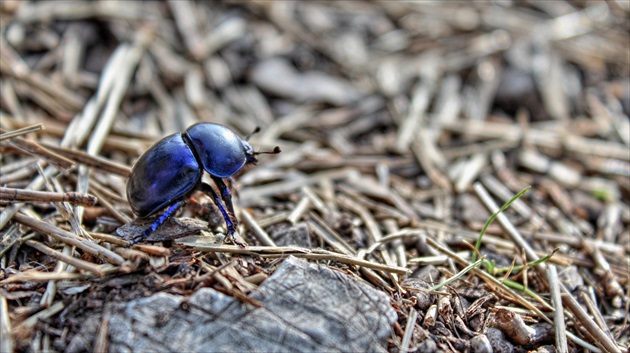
x=167 y=173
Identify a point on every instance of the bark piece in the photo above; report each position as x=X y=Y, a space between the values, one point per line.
x=305 y=307
x=515 y=328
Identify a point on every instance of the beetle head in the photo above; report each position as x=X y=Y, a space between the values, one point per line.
x=249 y=151
x=251 y=154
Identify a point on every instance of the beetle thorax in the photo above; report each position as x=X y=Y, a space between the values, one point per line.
x=220 y=151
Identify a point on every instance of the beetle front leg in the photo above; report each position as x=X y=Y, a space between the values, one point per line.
x=227 y=198
x=217 y=201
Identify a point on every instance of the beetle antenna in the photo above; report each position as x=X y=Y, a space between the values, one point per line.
x=276 y=150
x=256 y=130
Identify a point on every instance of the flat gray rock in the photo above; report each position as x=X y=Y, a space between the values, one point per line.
x=172 y=228
x=306 y=308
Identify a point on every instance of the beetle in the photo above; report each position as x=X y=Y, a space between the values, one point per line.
x=170 y=171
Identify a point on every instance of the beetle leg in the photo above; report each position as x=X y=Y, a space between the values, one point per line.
x=163 y=217
x=217 y=201
x=232 y=183
x=227 y=198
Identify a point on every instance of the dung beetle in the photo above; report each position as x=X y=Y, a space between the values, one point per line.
x=170 y=171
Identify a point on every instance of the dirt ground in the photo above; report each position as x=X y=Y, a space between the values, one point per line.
x=404 y=128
